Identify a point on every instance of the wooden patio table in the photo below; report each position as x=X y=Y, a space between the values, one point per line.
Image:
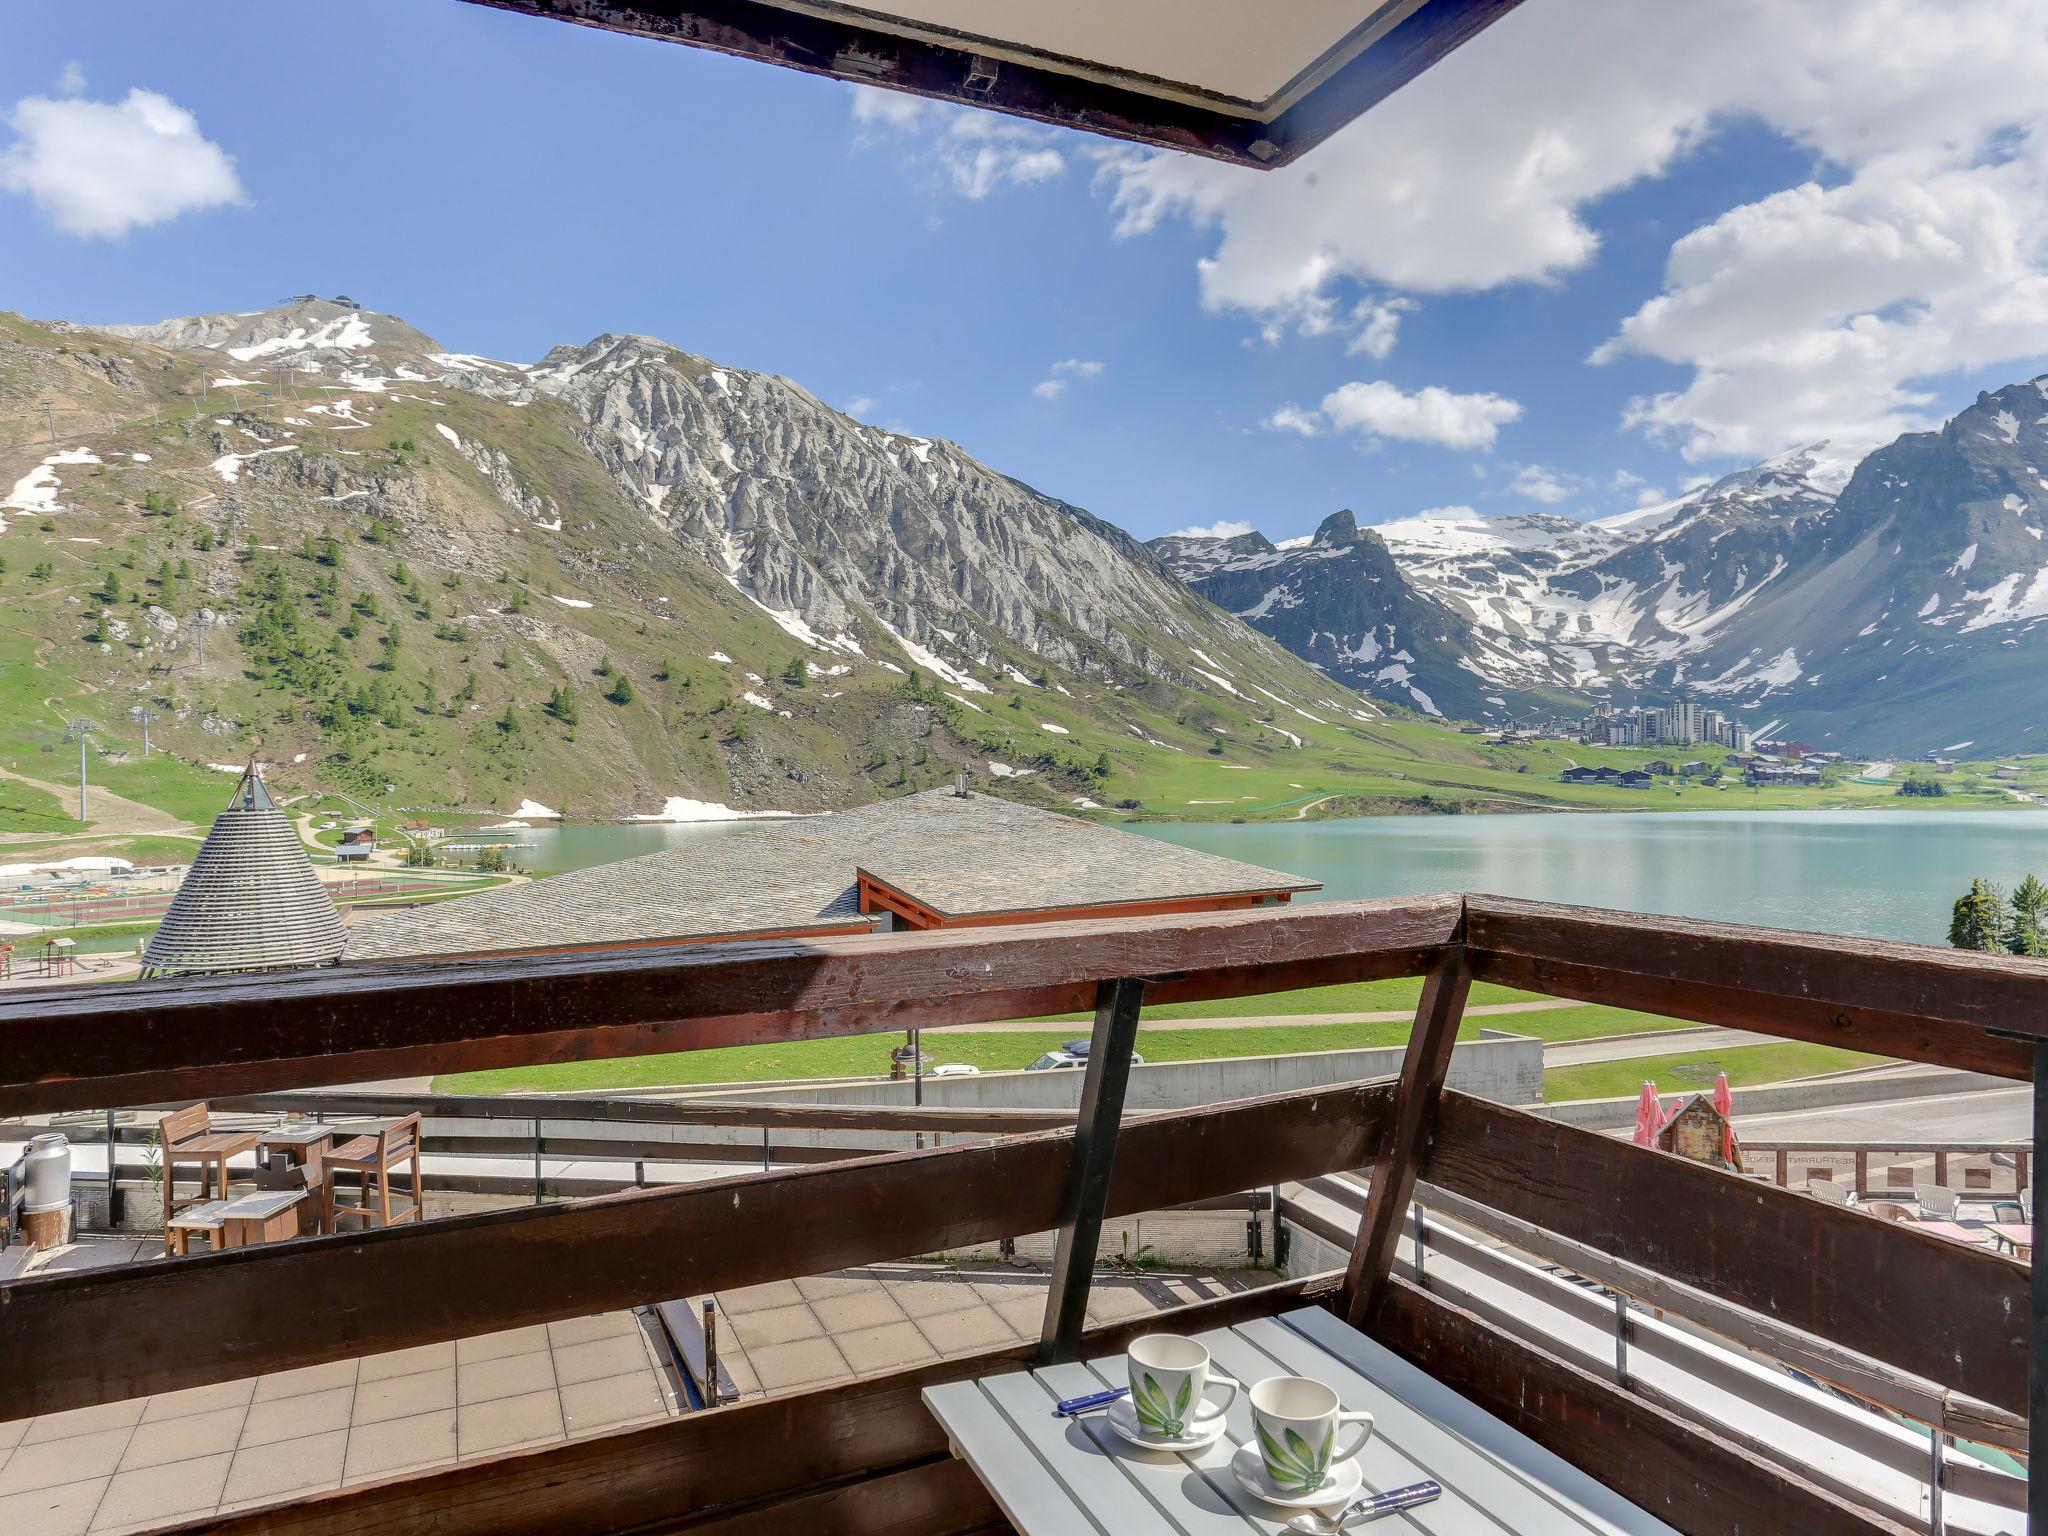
x=1951 y=1230
x=1056 y=1477
x=269 y=1217
x=2019 y=1234
x=302 y=1144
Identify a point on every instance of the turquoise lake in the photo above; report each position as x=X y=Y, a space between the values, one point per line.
x=1881 y=874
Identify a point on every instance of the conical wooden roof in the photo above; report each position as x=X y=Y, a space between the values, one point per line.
x=250 y=901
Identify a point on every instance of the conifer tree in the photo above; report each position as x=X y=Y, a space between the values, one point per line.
x=1979 y=918
x=2026 y=930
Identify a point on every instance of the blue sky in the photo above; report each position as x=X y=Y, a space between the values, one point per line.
x=1769 y=247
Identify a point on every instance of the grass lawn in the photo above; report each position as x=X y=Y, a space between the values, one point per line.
x=102 y=938
x=868 y=1055
x=1582 y=1021
x=1746 y=1065
x=1347 y=997
x=137 y=849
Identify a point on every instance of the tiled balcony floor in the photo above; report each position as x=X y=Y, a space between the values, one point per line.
x=792 y=1335
x=132 y=1465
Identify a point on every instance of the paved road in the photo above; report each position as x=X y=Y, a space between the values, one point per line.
x=1984 y=1114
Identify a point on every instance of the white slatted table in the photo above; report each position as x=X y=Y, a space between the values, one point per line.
x=1067 y=1477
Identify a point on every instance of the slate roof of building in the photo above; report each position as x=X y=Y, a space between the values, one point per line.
x=962 y=856
x=250 y=901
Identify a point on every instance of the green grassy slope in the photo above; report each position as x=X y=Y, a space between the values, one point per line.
x=394 y=622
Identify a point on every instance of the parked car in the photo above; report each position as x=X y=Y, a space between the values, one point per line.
x=953 y=1069
x=1073 y=1054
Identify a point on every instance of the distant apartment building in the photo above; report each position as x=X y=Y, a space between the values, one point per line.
x=1626 y=778
x=1798 y=775
x=1684 y=722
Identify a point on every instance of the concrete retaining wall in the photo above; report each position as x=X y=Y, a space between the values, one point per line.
x=1499 y=1066
x=1503 y=1067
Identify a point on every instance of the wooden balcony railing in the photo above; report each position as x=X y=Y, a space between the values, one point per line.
x=866 y=1456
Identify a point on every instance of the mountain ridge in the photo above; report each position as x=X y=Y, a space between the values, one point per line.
x=625 y=576
x=1892 y=602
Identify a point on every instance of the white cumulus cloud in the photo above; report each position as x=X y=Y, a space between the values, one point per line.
x=1538 y=482
x=1228 y=528
x=1919 y=245
x=1817 y=312
x=1292 y=418
x=974 y=153
x=98 y=169
x=1431 y=414
x=1064 y=372
x=1378 y=325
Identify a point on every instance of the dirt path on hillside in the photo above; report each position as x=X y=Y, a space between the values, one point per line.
x=111 y=814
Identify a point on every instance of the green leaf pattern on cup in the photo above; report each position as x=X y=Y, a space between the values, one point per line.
x=1156 y=1414
x=1294 y=1465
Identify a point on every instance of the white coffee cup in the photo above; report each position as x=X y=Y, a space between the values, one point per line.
x=1297 y=1420
x=1170 y=1379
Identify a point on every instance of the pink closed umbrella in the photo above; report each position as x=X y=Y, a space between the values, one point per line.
x=1649 y=1116
x=1724 y=1105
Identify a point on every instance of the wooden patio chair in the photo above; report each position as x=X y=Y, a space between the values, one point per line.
x=188 y=1136
x=371 y=1159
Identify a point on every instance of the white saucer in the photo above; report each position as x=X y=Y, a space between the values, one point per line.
x=1340 y=1487
x=1123 y=1418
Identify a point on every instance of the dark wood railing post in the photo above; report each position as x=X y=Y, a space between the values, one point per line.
x=1107 y=1075
x=1393 y=1175
x=2037 y=1328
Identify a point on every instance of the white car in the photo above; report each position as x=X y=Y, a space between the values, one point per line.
x=1073 y=1054
x=954 y=1069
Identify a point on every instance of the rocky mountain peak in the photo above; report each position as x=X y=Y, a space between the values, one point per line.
x=286 y=333
x=1840 y=593
x=1338 y=529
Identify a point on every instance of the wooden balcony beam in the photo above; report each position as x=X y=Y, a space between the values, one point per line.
x=1097 y=1126
x=94 y=1047
x=1907 y=1000
x=1428 y=1058
x=1696 y=1481
x=103 y=1335
x=1940 y=1310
